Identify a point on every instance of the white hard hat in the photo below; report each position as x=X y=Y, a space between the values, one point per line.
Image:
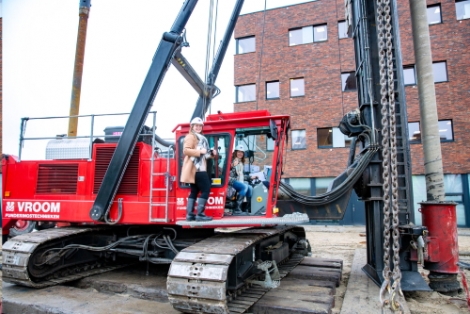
x=240 y=148
x=197 y=120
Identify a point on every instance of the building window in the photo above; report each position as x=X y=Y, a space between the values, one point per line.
x=301 y=185
x=270 y=144
x=297 y=87
x=342 y=30
x=446 y=133
x=409 y=75
x=308 y=34
x=320 y=33
x=332 y=137
x=434 y=14
x=454 y=192
x=300 y=36
x=246 y=93
x=298 y=139
x=245 y=45
x=322 y=184
x=348 y=82
x=454 y=188
x=439 y=71
x=414 y=133
x=272 y=90
x=462 y=9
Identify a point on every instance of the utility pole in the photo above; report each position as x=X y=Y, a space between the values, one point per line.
x=434 y=173
x=84 y=11
x=438 y=215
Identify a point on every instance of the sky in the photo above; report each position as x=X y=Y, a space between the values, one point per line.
x=39 y=41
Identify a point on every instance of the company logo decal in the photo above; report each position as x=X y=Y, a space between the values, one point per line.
x=31 y=210
x=36 y=207
x=10 y=206
x=215 y=200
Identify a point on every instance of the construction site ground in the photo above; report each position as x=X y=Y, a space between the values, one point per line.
x=132 y=290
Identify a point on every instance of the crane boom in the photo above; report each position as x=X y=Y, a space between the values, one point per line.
x=169 y=51
x=168 y=45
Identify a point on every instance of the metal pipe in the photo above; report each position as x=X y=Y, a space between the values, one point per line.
x=84 y=11
x=433 y=168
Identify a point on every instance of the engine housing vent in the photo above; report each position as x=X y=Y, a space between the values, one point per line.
x=57 y=179
x=130 y=180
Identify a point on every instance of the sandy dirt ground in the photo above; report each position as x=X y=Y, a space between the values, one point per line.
x=341 y=242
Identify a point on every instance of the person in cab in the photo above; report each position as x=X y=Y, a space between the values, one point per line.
x=237 y=180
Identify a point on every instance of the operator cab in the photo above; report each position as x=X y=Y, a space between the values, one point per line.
x=263 y=137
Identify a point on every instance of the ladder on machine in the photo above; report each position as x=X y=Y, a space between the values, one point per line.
x=167 y=185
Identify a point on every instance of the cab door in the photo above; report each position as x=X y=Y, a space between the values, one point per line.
x=217 y=168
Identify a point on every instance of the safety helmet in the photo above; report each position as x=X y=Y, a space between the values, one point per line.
x=197 y=120
x=240 y=148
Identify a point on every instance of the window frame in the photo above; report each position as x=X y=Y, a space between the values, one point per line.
x=309 y=32
x=451 y=130
x=301 y=35
x=445 y=70
x=410 y=138
x=409 y=67
x=301 y=185
x=237 y=46
x=326 y=32
x=343 y=88
x=434 y=6
x=452 y=139
x=346 y=141
x=340 y=36
x=278 y=90
x=302 y=146
x=270 y=140
x=463 y=8
x=237 y=91
x=290 y=86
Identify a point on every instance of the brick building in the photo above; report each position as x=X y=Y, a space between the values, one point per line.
x=298 y=60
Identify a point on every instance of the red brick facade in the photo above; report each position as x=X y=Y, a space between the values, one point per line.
x=321 y=65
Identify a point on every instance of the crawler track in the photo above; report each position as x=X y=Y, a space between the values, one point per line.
x=198 y=279
x=23 y=252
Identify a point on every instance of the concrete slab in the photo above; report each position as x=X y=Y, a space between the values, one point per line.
x=132 y=281
x=71 y=300
x=124 y=291
x=362 y=294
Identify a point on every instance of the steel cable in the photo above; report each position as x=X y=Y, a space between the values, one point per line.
x=336 y=193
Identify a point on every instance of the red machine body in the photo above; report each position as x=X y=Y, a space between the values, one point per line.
x=149 y=192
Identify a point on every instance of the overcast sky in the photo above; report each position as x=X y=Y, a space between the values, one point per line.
x=39 y=40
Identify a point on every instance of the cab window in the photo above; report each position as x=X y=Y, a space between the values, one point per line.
x=216 y=166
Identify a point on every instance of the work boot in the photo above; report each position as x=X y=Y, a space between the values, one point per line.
x=189 y=210
x=238 y=209
x=201 y=205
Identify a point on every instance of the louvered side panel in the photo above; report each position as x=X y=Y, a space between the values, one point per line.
x=57 y=179
x=130 y=179
x=102 y=159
